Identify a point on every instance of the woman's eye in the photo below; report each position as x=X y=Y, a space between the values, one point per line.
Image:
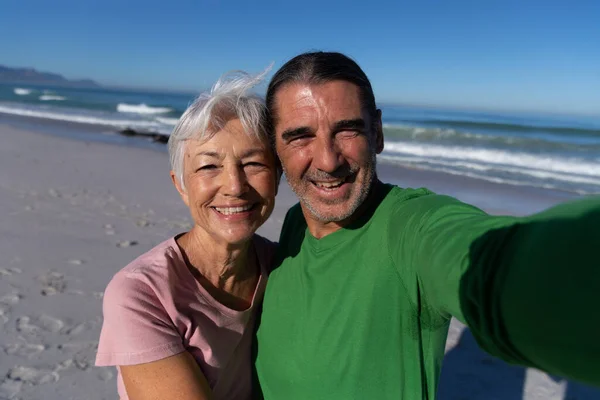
x=207 y=167
x=253 y=164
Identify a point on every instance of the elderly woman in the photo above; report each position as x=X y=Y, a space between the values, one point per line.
x=178 y=320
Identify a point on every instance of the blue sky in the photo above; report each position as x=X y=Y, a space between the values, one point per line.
x=508 y=55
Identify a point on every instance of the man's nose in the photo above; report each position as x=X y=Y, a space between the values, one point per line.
x=327 y=155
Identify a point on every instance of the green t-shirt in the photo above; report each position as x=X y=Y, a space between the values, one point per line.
x=363 y=313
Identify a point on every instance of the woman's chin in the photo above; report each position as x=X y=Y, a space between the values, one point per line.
x=237 y=238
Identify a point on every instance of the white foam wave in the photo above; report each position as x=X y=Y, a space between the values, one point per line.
x=87 y=119
x=487 y=178
x=168 y=121
x=141 y=109
x=22 y=92
x=51 y=97
x=454 y=165
x=540 y=162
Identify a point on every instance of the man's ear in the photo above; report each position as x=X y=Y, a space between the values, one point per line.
x=180 y=189
x=378 y=132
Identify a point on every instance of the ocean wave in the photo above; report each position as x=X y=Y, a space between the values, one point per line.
x=89 y=119
x=51 y=97
x=489 y=178
x=507 y=126
x=548 y=141
x=168 y=121
x=495 y=169
x=141 y=109
x=542 y=162
x=22 y=92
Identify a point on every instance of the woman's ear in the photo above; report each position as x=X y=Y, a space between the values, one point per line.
x=179 y=187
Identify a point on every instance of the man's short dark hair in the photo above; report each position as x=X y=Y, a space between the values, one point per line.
x=319 y=68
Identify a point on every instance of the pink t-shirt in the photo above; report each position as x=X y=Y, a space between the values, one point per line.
x=155 y=308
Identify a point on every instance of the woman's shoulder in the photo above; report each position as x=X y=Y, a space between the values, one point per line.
x=145 y=275
x=161 y=256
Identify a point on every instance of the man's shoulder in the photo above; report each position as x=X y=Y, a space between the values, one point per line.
x=399 y=198
x=421 y=198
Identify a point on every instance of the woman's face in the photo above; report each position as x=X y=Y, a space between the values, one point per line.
x=230 y=183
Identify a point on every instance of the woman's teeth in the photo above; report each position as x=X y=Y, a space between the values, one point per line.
x=232 y=210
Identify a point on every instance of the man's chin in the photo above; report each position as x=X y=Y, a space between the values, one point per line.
x=324 y=212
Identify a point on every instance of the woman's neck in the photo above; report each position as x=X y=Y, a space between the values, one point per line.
x=231 y=270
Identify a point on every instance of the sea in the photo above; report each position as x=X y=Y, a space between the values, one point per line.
x=560 y=152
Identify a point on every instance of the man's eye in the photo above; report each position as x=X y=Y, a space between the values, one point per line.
x=298 y=138
x=348 y=133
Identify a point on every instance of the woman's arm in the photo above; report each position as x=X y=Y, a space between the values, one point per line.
x=177 y=378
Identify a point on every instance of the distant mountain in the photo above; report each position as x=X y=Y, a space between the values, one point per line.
x=30 y=75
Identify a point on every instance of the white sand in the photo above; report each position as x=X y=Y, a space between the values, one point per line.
x=75 y=212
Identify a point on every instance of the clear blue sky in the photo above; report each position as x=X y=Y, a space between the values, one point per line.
x=514 y=55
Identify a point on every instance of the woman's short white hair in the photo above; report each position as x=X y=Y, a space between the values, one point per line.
x=230 y=98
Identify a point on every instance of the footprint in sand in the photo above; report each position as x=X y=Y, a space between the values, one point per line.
x=127 y=243
x=52 y=283
x=143 y=223
x=11 y=299
x=24 y=349
x=79 y=362
x=9 y=271
x=105 y=374
x=4 y=314
x=109 y=229
x=44 y=323
x=76 y=329
x=9 y=389
x=82 y=355
x=32 y=375
x=54 y=193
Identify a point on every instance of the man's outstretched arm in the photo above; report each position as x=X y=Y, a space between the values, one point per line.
x=529 y=288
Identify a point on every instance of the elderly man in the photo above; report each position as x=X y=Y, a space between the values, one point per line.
x=370 y=274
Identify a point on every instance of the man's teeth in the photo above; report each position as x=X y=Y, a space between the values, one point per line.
x=330 y=185
x=232 y=210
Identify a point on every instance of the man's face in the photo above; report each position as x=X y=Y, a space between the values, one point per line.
x=327 y=144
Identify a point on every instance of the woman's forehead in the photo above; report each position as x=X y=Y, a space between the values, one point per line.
x=228 y=144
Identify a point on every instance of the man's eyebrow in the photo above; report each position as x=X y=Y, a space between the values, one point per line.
x=350 y=124
x=292 y=133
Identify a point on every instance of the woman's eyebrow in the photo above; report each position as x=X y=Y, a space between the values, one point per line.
x=207 y=153
x=253 y=152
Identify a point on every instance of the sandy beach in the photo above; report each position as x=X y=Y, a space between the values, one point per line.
x=76 y=207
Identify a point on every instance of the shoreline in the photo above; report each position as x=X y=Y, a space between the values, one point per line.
x=493 y=197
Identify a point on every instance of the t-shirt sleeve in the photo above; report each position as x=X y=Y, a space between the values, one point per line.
x=527 y=287
x=136 y=327
x=436 y=235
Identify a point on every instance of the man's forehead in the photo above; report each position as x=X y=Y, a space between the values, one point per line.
x=300 y=100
